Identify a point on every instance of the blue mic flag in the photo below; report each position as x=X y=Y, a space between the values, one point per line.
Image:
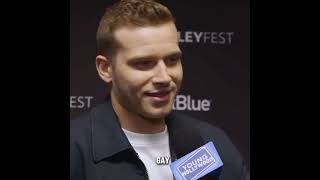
x=197 y=164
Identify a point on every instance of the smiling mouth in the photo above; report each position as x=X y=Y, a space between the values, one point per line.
x=159 y=96
x=158 y=93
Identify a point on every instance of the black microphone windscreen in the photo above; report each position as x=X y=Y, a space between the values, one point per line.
x=186 y=141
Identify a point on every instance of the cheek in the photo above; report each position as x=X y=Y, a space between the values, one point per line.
x=131 y=81
x=177 y=74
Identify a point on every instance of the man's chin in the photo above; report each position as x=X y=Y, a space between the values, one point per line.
x=157 y=114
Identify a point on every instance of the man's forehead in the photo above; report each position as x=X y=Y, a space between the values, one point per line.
x=130 y=36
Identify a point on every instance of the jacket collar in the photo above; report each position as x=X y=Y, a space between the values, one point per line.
x=106 y=133
x=109 y=139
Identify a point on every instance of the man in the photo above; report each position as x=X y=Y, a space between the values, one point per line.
x=139 y=57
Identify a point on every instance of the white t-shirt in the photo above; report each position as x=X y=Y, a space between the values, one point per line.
x=149 y=147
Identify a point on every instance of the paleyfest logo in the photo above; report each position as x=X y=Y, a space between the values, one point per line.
x=182 y=103
x=187 y=103
x=79 y=102
x=218 y=38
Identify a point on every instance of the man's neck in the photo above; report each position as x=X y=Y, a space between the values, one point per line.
x=136 y=123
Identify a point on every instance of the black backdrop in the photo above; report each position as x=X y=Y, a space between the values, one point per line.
x=214 y=39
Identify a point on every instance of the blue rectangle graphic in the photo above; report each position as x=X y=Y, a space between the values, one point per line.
x=197 y=163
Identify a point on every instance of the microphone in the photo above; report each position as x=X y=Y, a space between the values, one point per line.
x=186 y=141
x=195 y=160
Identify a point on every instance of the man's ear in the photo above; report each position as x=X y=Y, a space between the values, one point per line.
x=103 y=65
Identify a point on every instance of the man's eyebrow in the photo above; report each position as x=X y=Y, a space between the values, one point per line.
x=173 y=54
x=141 y=57
x=146 y=57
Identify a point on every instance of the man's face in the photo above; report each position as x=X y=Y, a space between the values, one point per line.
x=147 y=70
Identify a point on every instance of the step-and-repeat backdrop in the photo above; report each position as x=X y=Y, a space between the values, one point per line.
x=215 y=41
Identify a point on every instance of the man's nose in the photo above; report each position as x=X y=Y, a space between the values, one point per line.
x=161 y=74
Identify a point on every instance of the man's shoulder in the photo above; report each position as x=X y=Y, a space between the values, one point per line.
x=81 y=124
x=83 y=119
x=80 y=121
x=203 y=126
x=80 y=127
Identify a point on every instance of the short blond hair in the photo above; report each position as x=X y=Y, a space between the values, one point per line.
x=128 y=13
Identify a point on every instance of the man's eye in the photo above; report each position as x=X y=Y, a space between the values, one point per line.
x=143 y=65
x=172 y=60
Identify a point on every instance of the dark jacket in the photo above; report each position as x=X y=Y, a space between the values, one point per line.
x=99 y=149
